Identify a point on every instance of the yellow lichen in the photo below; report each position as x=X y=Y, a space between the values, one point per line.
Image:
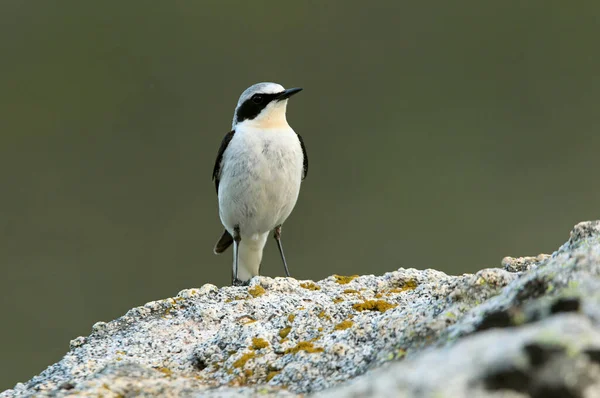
x=165 y=371
x=410 y=284
x=258 y=343
x=343 y=280
x=291 y=318
x=310 y=286
x=373 y=305
x=351 y=291
x=243 y=359
x=304 y=346
x=397 y=354
x=387 y=292
x=343 y=325
x=246 y=319
x=272 y=374
x=337 y=300
x=256 y=291
x=284 y=332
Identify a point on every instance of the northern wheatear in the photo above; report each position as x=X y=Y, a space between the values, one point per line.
x=257 y=174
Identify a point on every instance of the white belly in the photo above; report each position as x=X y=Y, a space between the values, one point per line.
x=260 y=180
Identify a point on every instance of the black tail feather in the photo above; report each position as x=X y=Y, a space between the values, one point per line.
x=224 y=242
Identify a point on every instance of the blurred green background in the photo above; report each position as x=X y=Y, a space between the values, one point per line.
x=440 y=134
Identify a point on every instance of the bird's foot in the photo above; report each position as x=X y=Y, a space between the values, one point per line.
x=237 y=282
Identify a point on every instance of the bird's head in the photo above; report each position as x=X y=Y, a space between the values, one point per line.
x=263 y=105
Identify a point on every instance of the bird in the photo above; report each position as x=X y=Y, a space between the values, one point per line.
x=260 y=166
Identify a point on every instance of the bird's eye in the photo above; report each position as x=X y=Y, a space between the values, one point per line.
x=257 y=98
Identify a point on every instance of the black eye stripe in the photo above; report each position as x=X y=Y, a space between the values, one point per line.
x=250 y=109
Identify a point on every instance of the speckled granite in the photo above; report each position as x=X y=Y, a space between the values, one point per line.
x=499 y=332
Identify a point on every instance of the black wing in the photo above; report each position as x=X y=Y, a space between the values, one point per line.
x=305 y=163
x=217 y=170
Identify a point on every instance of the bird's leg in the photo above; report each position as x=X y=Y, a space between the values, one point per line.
x=277 y=236
x=236 y=245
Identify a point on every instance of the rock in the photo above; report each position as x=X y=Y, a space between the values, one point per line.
x=527 y=329
x=521 y=264
x=546 y=359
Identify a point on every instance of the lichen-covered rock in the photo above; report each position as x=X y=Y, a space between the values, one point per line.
x=539 y=337
x=556 y=357
x=528 y=329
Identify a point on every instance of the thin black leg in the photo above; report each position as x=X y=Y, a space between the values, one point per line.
x=236 y=242
x=277 y=236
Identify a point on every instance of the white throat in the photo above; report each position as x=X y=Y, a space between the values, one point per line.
x=272 y=117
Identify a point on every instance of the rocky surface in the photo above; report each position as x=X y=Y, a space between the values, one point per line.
x=529 y=328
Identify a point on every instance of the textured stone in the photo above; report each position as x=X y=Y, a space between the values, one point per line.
x=527 y=329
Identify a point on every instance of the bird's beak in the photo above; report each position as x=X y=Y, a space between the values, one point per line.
x=288 y=93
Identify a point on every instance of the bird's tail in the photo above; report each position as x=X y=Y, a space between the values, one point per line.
x=224 y=242
x=251 y=251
